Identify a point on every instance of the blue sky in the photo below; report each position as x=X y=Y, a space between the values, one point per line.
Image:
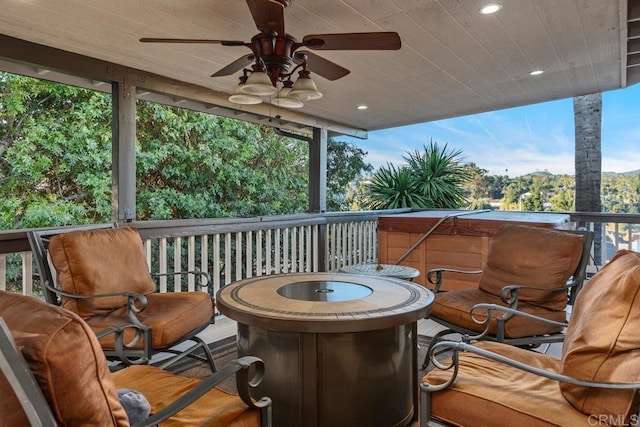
x=520 y=140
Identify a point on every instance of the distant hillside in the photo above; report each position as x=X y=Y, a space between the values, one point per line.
x=630 y=173
x=547 y=173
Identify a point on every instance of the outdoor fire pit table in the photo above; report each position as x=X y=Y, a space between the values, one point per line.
x=339 y=349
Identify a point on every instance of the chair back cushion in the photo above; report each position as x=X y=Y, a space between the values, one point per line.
x=64 y=356
x=98 y=262
x=602 y=341
x=532 y=256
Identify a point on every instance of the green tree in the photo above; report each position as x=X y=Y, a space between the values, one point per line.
x=54 y=157
x=195 y=165
x=433 y=178
x=55 y=161
x=345 y=166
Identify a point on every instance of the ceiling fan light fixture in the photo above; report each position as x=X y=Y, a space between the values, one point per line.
x=239 y=97
x=283 y=99
x=304 y=88
x=259 y=84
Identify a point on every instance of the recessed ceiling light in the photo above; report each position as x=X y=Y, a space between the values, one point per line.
x=362 y=107
x=536 y=72
x=490 y=8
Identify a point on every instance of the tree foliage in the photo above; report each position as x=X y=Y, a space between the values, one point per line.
x=55 y=161
x=345 y=165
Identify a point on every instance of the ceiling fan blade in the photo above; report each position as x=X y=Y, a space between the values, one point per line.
x=222 y=42
x=323 y=67
x=353 y=41
x=268 y=15
x=236 y=65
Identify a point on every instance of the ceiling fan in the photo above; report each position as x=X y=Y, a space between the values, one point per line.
x=275 y=56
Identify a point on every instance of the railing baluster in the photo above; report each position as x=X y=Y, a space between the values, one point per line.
x=268 y=251
x=216 y=267
x=191 y=262
x=204 y=254
x=259 y=249
x=162 y=257
x=227 y=258
x=277 y=268
x=3 y=272
x=177 y=263
x=249 y=256
x=294 y=248
x=27 y=273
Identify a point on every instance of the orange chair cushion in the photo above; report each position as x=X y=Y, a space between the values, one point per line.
x=488 y=393
x=100 y=261
x=215 y=409
x=454 y=307
x=170 y=316
x=601 y=342
x=66 y=360
x=532 y=256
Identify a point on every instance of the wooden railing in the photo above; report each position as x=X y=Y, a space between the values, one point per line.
x=229 y=249
x=238 y=248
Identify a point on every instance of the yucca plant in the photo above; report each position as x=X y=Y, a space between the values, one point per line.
x=392 y=187
x=440 y=175
x=433 y=178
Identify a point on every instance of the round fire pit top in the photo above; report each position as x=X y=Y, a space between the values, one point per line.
x=324 y=302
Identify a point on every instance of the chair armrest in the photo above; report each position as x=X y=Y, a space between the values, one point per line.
x=508 y=313
x=240 y=367
x=136 y=301
x=457 y=347
x=434 y=276
x=510 y=293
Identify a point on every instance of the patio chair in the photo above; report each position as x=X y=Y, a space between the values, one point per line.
x=102 y=275
x=53 y=372
x=593 y=383
x=535 y=270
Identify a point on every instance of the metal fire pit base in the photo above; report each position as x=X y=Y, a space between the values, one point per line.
x=336 y=379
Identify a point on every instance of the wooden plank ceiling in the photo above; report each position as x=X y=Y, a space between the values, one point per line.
x=453 y=61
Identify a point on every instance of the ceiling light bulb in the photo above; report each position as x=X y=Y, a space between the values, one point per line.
x=304 y=88
x=490 y=8
x=536 y=72
x=362 y=107
x=259 y=84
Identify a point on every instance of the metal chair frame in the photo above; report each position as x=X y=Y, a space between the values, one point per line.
x=248 y=371
x=124 y=351
x=455 y=347
x=509 y=296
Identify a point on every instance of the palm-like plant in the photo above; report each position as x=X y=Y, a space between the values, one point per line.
x=440 y=175
x=393 y=187
x=433 y=178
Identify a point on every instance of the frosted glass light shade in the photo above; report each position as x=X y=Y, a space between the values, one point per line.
x=305 y=89
x=283 y=99
x=259 y=84
x=239 y=97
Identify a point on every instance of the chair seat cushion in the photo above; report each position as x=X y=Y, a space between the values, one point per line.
x=171 y=316
x=488 y=393
x=454 y=307
x=216 y=408
x=64 y=356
